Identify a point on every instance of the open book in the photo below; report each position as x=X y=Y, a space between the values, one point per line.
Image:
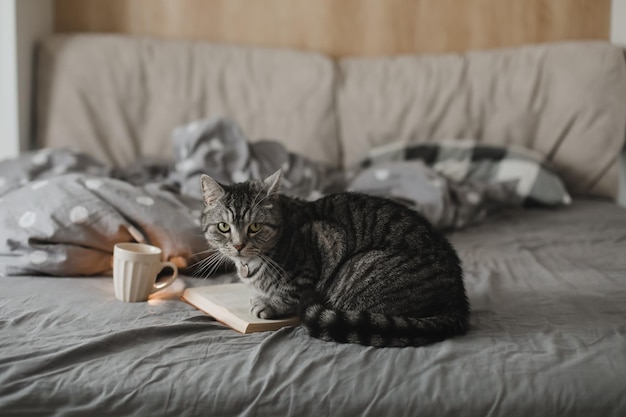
x=230 y=304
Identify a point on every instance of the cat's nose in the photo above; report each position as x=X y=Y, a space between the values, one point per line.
x=239 y=247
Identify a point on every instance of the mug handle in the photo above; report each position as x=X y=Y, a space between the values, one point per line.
x=160 y=285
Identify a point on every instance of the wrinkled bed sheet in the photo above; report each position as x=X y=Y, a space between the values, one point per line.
x=547 y=338
x=61 y=212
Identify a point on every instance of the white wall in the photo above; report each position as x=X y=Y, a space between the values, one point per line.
x=22 y=24
x=618 y=37
x=9 y=145
x=618 y=22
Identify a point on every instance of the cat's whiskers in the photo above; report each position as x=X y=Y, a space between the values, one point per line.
x=207 y=266
x=201 y=266
x=210 y=258
x=215 y=266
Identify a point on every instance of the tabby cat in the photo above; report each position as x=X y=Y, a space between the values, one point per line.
x=356 y=268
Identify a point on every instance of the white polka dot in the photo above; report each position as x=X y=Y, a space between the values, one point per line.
x=38 y=257
x=184 y=152
x=93 y=183
x=79 y=214
x=40 y=158
x=473 y=197
x=381 y=174
x=145 y=200
x=27 y=219
x=438 y=182
x=186 y=165
x=240 y=176
x=215 y=145
x=61 y=169
x=308 y=172
x=192 y=127
x=452 y=169
x=39 y=184
x=285 y=166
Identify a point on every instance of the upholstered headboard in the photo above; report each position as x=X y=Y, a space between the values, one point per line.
x=119 y=97
x=330 y=79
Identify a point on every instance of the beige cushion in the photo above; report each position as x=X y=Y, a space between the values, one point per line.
x=119 y=98
x=566 y=100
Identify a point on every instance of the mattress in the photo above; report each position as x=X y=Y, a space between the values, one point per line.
x=547 y=337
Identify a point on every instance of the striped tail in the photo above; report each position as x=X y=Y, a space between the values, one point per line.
x=379 y=330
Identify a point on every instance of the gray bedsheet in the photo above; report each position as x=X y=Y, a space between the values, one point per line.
x=548 y=338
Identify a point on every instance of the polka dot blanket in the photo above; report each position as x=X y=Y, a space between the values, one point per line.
x=62 y=211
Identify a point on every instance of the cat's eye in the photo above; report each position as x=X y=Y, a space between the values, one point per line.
x=223 y=227
x=254 y=227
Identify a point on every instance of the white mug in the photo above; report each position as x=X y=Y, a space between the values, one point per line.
x=135 y=270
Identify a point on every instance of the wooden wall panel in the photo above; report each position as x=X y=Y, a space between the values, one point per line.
x=346 y=27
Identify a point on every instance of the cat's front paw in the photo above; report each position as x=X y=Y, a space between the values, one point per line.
x=259 y=307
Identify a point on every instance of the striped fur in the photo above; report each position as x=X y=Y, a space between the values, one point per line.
x=358 y=269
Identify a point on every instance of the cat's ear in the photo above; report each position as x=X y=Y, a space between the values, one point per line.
x=211 y=190
x=272 y=183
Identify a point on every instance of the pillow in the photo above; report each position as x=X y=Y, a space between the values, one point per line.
x=446 y=203
x=523 y=171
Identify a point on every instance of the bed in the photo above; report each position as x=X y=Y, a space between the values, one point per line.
x=514 y=153
x=547 y=338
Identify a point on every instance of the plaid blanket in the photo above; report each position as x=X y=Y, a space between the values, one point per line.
x=524 y=172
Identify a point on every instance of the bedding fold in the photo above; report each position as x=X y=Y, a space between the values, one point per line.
x=62 y=211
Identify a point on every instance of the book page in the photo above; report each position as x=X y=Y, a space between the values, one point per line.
x=233 y=297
